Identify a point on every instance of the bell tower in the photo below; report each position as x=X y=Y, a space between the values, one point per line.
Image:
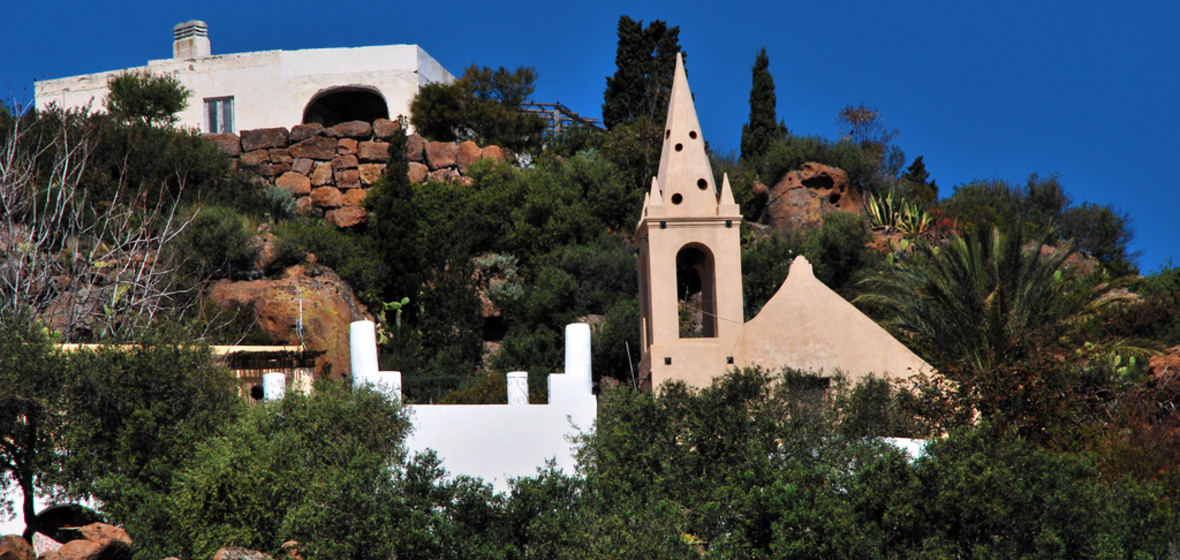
x=690 y=270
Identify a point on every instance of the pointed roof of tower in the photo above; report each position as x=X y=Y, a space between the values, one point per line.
x=685 y=178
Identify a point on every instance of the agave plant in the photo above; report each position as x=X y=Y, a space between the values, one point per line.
x=897 y=214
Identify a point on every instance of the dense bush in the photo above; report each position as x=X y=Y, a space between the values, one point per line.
x=216 y=244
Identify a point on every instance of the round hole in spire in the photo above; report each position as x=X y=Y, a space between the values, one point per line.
x=677 y=199
x=702 y=184
x=668 y=133
x=679 y=147
x=692 y=134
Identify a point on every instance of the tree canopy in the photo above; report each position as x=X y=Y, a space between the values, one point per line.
x=145 y=98
x=763 y=126
x=645 y=61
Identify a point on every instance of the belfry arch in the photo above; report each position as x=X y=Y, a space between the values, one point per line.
x=696 y=291
x=335 y=105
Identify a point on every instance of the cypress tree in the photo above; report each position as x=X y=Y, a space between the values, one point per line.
x=645 y=61
x=762 y=128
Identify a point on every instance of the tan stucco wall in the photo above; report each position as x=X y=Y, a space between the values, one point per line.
x=270 y=88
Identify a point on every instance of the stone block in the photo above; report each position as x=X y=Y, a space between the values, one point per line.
x=229 y=144
x=352 y=129
x=304 y=205
x=348 y=179
x=418 y=172
x=466 y=154
x=327 y=197
x=261 y=138
x=492 y=152
x=346 y=146
x=256 y=157
x=347 y=216
x=373 y=151
x=385 y=128
x=272 y=170
x=344 y=162
x=355 y=197
x=415 y=148
x=370 y=172
x=443 y=175
x=296 y=183
x=316 y=147
x=301 y=132
x=303 y=166
x=441 y=154
x=280 y=155
x=322 y=175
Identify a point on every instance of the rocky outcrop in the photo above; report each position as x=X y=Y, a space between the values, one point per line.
x=328 y=306
x=13 y=547
x=805 y=194
x=321 y=167
x=99 y=541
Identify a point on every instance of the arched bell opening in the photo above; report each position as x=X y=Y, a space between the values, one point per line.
x=333 y=106
x=696 y=292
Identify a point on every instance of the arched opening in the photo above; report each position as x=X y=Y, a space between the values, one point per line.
x=333 y=106
x=696 y=292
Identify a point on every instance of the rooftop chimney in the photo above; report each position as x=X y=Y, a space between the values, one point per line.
x=191 y=40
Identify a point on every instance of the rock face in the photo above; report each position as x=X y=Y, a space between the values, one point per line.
x=329 y=305
x=805 y=194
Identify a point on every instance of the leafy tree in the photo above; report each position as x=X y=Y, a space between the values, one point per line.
x=863 y=126
x=762 y=128
x=917 y=186
x=483 y=105
x=144 y=98
x=1103 y=233
x=393 y=223
x=645 y=61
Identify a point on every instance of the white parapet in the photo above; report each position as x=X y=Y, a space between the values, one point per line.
x=518 y=387
x=274 y=386
x=362 y=341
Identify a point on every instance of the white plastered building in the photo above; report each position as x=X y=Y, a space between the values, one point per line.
x=270 y=89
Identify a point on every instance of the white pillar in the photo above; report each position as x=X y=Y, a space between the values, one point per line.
x=518 y=387
x=363 y=345
x=274 y=386
x=577 y=356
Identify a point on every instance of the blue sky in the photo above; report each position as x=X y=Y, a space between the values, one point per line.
x=984 y=90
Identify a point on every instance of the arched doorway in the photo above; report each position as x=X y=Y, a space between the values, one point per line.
x=696 y=292
x=333 y=106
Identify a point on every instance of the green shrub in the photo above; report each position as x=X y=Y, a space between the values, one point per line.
x=216 y=244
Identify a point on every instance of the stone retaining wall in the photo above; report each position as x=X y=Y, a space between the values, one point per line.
x=329 y=170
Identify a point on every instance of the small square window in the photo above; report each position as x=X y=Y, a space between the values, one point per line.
x=219 y=115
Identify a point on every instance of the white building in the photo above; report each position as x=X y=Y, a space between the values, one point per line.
x=270 y=89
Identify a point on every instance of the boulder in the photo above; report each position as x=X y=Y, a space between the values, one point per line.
x=805 y=194
x=418 y=172
x=344 y=162
x=373 y=151
x=301 y=132
x=509 y=156
x=322 y=175
x=352 y=129
x=385 y=128
x=303 y=166
x=347 y=216
x=370 y=172
x=444 y=175
x=272 y=170
x=296 y=183
x=346 y=146
x=348 y=179
x=493 y=152
x=261 y=138
x=466 y=154
x=305 y=207
x=239 y=553
x=415 y=148
x=441 y=154
x=99 y=541
x=256 y=157
x=327 y=197
x=229 y=144
x=329 y=305
x=316 y=147
x=103 y=532
x=13 y=547
x=354 y=197
x=280 y=155
x=465 y=181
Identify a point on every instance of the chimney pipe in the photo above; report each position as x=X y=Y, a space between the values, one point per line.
x=191 y=40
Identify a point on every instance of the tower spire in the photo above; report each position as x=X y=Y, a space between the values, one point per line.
x=685 y=178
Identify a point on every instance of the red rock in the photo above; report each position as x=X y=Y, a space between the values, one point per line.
x=352 y=129
x=102 y=532
x=297 y=184
x=354 y=197
x=346 y=146
x=229 y=144
x=271 y=170
x=322 y=175
x=373 y=151
x=444 y=175
x=348 y=179
x=347 y=216
x=327 y=197
x=441 y=154
x=280 y=155
x=13 y=547
x=304 y=205
x=466 y=154
x=302 y=166
x=370 y=172
x=81 y=549
x=344 y=162
x=301 y=132
x=260 y=138
x=257 y=157
x=239 y=553
x=316 y=147
x=418 y=172
x=492 y=152
x=805 y=194
x=415 y=148
x=385 y=128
